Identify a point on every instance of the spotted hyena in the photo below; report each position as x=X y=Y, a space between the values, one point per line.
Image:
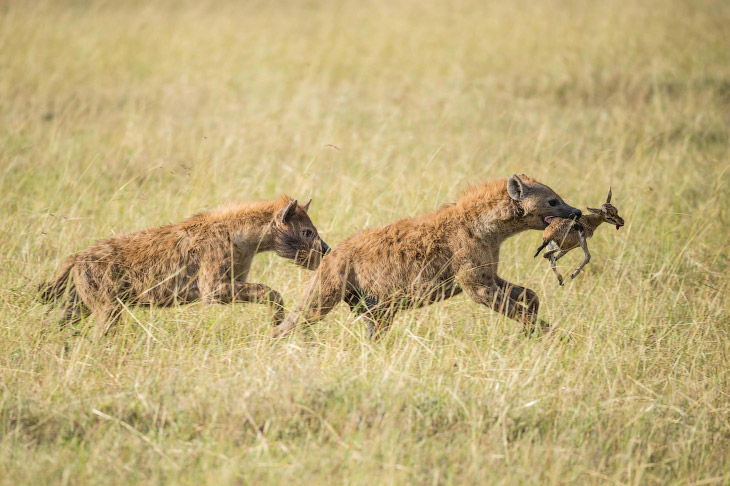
x=416 y=261
x=206 y=257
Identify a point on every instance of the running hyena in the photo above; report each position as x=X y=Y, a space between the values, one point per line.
x=417 y=261
x=206 y=257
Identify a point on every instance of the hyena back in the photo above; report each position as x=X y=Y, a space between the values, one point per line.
x=416 y=261
x=205 y=257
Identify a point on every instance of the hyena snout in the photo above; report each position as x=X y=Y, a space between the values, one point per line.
x=564 y=211
x=312 y=258
x=567 y=212
x=324 y=248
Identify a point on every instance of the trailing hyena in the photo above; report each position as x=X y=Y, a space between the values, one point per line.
x=205 y=257
x=416 y=261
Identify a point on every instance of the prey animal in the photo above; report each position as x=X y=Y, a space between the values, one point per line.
x=417 y=261
x=206 y=257
x=562 y=235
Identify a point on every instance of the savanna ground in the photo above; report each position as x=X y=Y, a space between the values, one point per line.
x=121 y=115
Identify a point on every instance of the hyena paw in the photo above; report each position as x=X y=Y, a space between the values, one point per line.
x=540 y=328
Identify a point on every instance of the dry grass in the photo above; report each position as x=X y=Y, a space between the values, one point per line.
x=120 y=116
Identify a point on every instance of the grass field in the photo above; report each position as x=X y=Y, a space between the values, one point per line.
x=120 y=115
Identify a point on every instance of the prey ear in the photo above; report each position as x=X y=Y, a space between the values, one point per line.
x=608 y=198
x=306 y=206
x=286 y=213
x=594 y=211
x=516 y=189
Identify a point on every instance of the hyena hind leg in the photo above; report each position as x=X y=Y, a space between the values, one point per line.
x=378 y=326
x=107 y=318
x=377 y=319
x=74 y=310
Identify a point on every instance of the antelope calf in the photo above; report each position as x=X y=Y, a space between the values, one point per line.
x=416 y=261
x=562 y=235
x=205 y=257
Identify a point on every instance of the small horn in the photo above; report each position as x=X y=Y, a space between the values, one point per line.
x=608 y=198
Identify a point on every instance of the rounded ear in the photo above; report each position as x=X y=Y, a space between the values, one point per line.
x=516 y=189
x=286 y=213
x=595 y=211
x=306 y=206
x=608 y=198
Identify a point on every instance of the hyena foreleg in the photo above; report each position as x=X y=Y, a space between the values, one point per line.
x=507 y=299
x=232 y=292
x=521 y=294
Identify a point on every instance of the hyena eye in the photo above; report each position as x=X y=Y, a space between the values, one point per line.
x=307 y=233
x=553 y=202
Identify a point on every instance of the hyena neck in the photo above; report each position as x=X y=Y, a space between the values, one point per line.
x=256 y=239
x=493 y=221
x=249 y=224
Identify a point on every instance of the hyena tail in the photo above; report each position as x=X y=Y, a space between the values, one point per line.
x=544 y=244
x=52 y=291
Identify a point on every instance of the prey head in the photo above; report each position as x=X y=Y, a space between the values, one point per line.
x=608 y=212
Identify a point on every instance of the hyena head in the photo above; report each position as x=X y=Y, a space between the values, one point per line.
x=608 y=212
x=296 y=238
x=538 y=202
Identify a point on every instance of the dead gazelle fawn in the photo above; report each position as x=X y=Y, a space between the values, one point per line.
x=562 y=235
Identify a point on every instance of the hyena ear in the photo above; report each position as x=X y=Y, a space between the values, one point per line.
x=608 y=198
x=594 y=211
x=306 y=206
x=286 y=213
x=516 y=189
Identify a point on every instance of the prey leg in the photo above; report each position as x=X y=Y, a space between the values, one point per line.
x=555 y=269
x=584 y=246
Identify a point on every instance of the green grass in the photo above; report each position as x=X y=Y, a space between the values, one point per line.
x=120 y=116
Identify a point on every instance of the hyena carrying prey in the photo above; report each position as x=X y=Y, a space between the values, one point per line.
x=417 y=261
x=205 y=257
